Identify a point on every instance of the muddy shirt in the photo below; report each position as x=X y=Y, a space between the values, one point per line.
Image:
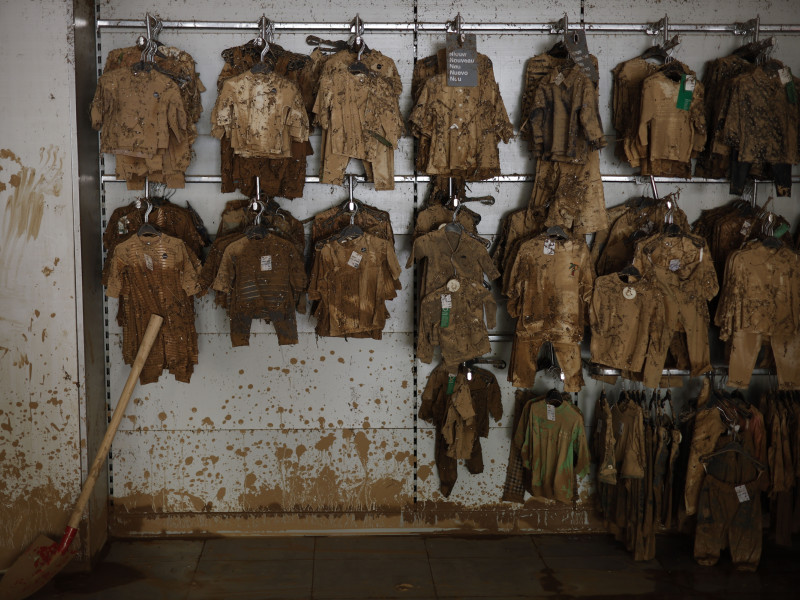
x=157 y=275
x=555 y=451
x=372 y=220
x=449 y=255
x=352 y=279
x=626 y=104
x=550 y=287
x=565 y=118
x=761 y=122
x=237 y=216
x=454 y=320
x=518 y=227
x=435 y=215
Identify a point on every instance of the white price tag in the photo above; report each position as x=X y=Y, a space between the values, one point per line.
x=674 y=264
x=745 y=228
x=447 y=301
x=266 y=263
x=551 y=412
x=355 y=259
x=741 y=493
x=629 y=293
x=148 y=262
x=690 y=83
x=559 y=79
x=549 y=247
x=785 y=74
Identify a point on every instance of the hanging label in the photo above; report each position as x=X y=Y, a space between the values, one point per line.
x=629 y=293
x=462 y=61
x=785 y=74
x=745 y=228
x=559 y=79
x=453 y=285
x=122 y=226
x=675 y=264
x=686 y=92
x=551 y=412
x=578 y=50
x=355 y=259
x=788 y=82
x=741 y=493
x=266 y=263
x=780 y=230
x=447 y=301
x=148 y=262
x=451 y=383
x=549 y=247
x=447 y=304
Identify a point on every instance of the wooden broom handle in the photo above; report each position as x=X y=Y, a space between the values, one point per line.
x=149 y=339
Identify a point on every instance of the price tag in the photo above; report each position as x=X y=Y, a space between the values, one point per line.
x=453 y=285
x=266 y=263
x=447 y=304
x=785 y=74
x=122 y=226
x=788 y=82
x=629 y=293
x=462 y=61
x=559 y=79
x=549 y=247
x=451 y=383
x=745 y=228
x=674 y=264
x=447 y=301
x=148 y=262
x=686 y=92
x=741 y=493
x=578 y=51
x=551 y=412
x=355 y=259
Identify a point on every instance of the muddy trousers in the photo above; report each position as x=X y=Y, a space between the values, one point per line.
x=284 y=321
x=744 y=352
x=724 y=521
x=524 y=355
x=380 y=169
x=447 y=467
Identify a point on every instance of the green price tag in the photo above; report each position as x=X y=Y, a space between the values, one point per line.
x=781 y=230
x=686 y=92
x=451 y=383
x=447 y=304
x=445 y=317
x=787 y=80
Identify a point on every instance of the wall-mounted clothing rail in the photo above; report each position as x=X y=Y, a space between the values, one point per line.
x=541 y=28
x=595 y=369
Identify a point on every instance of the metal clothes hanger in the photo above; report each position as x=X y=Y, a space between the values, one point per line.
x=357 y=45
x=267 y=34
x=146 y=228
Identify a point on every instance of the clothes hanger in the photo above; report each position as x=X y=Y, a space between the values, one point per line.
x=661 y=51
x=265 y=40
x=554 y=397
x=630 y=271
x=733 y=446
x=146 y=228
x=556 y=231
x=497 y=363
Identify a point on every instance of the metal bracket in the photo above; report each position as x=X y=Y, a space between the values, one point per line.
x=562 y=26
x=456 y=26
x=751 y=27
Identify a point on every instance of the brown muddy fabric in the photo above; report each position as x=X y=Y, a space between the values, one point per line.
x=604 y=443
x=681 y=265
x=458 y=429
x=211 y=267
x=157 y=275
x=666 y=132
x=372 y=220
x=352 y=298
x=435 y=215
x=238 y=215
x=628 y=78
x=465 y=335
x=627 y=421
x=356 y=110
x=565 y=116
x=449 y=255
x=723 y=521
x=570 y=195
x=555 y=452
x=518 y=227
x=459 y=128
x=263 y=278
x=524 y=363
x=627 y=320
x=485 y=393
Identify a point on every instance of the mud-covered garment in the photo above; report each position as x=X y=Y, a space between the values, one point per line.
x=434 y=215
x=570 y=195
x=729 y=511
x=352 y=279
x=565 y=117
x=666 y=132
x=372 y=220
x=485 y=393
x=450 y=255
x=360 y=116
x=157 y=275
x=458 y=429
x=460 y=127
x=211 y=267
x=524 y=360
x=238 y=215
x=555 y=450
x=550 y=287
x=627 y=321
x=627 y=422
x=681 y=265
x=262 y=114
x=626 y=105
x=454 y=320
x=726 y=229
x=603 y=442
x=517 y=227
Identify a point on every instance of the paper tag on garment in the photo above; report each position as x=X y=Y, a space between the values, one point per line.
x=462 y=61
x=686 y=92
x=453 y=285
x=559 y=79
x=447 y=301
x=741 y=493
x=355 y=259
x=780 y=230
x=549 y=247
x=629 y=293
x=785 y=74
x=578 y=50
x=451 y=383
x=447 y=304
x=551 y=412
x=266 y=263
x=674 y=264
x=122 y=226
x=148 y=262
x=745 y=228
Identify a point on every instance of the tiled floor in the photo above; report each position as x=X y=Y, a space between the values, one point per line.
x=495 y=567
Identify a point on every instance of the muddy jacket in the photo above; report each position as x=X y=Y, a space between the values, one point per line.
x=626 y=104
x=461 y=126
x=761 y=123
x=555 y=451
x=550 y=287
x=261 y=113
x=627 y=320
x=565 y=118
x=454 y=320
x=517 y=227
x=157 y=275
x=449 y=255
x=237 y=216
x=352 y=279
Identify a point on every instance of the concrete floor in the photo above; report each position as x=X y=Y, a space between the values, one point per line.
x=496 y=567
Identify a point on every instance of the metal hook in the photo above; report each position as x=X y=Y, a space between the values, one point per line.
x=457 y=26
x=357 y=28
x=148 y=211
x=453 y=197
x=351 y=205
